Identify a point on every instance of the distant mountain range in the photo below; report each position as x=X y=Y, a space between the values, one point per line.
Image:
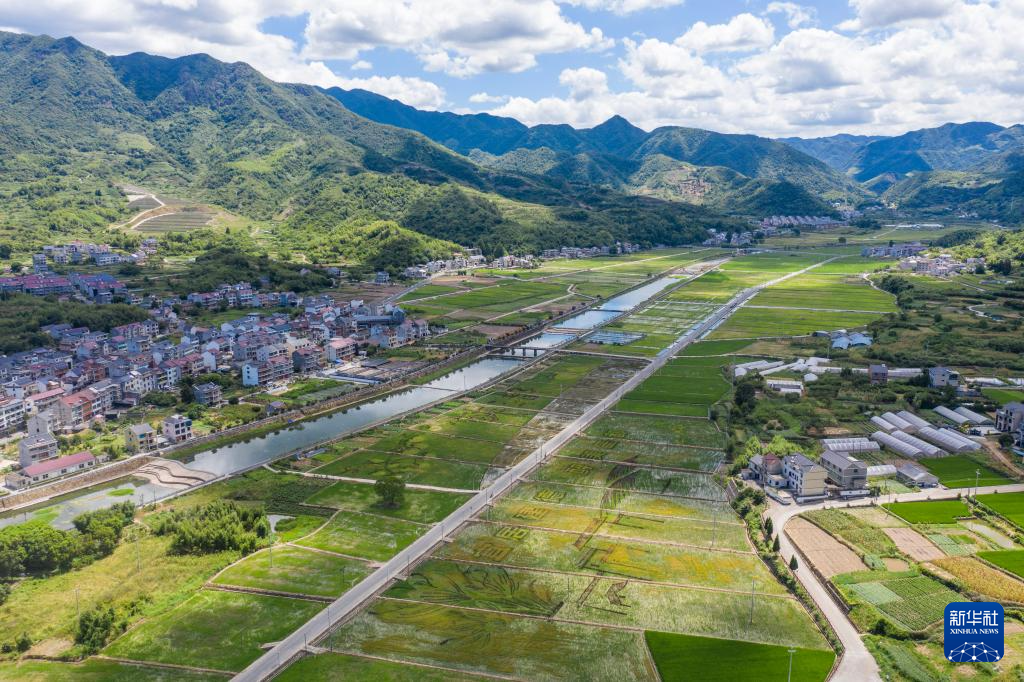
x=352 y=176
x=972 y=166
x=679 y=164
x=317 y=178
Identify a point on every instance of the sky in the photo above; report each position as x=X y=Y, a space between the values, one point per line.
x=768 y=67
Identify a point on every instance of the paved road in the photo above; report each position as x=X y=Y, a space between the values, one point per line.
x=319 y=625
x=857 y=665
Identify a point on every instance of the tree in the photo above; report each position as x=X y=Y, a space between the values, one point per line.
x=746 y=394
x=775 y=545
x=793 y=562
x=768 y=526
x=390 y=492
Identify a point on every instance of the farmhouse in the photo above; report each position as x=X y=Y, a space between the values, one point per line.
x=805 y=478
x=177 y=429
x=50 y=469
x=845 y=470
x=140 y=438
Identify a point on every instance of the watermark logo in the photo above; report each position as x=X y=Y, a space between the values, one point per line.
x=973 y=632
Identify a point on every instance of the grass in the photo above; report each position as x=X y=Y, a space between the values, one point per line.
x=365 y=536
x=295 y=570
x=157 y=583
x=679 y=657
x=932 y=511
x=1003 y=396
x=333 y=666
x=1008 y=505
x=214 y=629
x=368 y=464
x=714 y=347
x=958 y=471
x=421 y=506
x=95 y=670
x=438 y=445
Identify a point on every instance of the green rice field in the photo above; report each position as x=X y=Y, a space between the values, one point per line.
x=1011 y=560
x=959 y=471
x=932 y=511
x=364 y=536
x=1009 y=505
x=678 y=656
x=295 y=570
x=214 y=629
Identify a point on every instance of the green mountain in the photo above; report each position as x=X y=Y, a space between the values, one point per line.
x=612 y=153
x=319 y=179
x=951 y=147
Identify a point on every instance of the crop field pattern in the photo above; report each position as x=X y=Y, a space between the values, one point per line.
x=624 y=530
x=913 y=601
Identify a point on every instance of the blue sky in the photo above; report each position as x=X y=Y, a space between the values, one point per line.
x=769 y=67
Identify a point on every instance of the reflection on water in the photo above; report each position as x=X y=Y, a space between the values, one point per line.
x=60 y=513
x=238 y=456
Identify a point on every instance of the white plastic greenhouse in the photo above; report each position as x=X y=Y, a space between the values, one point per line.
x=882 y=424
x=896 y=445
x=952 y=416
x=850 y=445
x=913 y=419
x=927 y=448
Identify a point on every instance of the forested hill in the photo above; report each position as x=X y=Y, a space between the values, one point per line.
x=614 y=153
x=75 y=123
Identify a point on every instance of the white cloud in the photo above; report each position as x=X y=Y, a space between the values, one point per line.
x=872 y=14
x=744 y=32
x=935 y=60
x=225 y=29
x=361 y=65
x=964 y=65
x=622 y=6
x=796 y=15
x=484 y=98
x=462 y=39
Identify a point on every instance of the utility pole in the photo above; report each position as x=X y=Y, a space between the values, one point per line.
x=789 y=678
x=138 y=552
x=270 y=548
x=977 y=475
x=78 y=610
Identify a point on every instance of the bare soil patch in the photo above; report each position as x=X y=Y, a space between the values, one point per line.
x=827 y=554
x=913 y=544
x=895 y=565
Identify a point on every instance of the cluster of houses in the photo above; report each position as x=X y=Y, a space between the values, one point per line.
x=91 y=373
x=841 y=472
x=98 y=288
x=838 y=473
x=590 y=251
x=77 y=252
x=720 y=238
x=241 y=295
x=905 y=250
x=942 y=265
x=472 y=258
x=799 y=221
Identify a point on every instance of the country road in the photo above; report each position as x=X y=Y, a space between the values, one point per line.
x=278 y=657
x=857 y=664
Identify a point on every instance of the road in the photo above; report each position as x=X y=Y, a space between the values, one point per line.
x=278 y=657
x=857 y=664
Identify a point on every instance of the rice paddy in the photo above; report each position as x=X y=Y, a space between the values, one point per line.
x=959 y=471
x=215 y=630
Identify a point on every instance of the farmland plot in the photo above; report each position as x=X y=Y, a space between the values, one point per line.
x=621 y=500
x=585 y=553
x=607 y=601
x=828 y=555
x=913 y=601
x=631 y=477
x=724 y=533
x=670 y=456
x=655 y=429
